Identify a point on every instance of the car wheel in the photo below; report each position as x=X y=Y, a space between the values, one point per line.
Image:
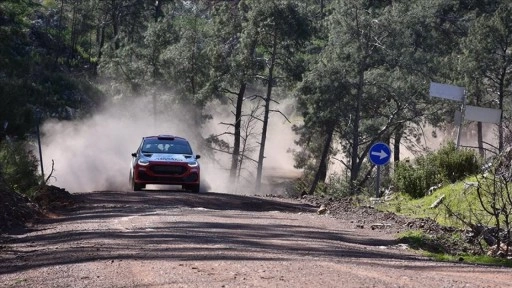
x=194 y=188
x=191 y=188
x=138 y=187
x=135 y=186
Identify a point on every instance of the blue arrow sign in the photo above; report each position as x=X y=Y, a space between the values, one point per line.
x=380 y=154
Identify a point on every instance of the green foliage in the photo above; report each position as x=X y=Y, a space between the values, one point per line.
x=475 y=259
x=419 y=240
x=19 y=167
x=301 y=186
x=33 y=74
x=447 y=164
x=455 y=164
x=487 y=61
x=335 y=187
x=338 y=186
x=460 y=202
x=416 y=179
x=434 y=247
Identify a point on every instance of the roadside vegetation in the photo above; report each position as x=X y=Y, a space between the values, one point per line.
x=457 y=203
x=442 y=247
x=476 y=201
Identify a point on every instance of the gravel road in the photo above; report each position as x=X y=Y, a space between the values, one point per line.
x=178 y=239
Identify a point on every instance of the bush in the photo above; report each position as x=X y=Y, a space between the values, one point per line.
x=337 y=186
x=456 y=164
x=447 y=164
x=19 y=167
x=416 y=179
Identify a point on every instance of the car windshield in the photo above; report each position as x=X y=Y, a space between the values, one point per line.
x=166 y=146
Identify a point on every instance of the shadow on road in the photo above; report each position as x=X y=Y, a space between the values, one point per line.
x=111 y=204
x=240 y=234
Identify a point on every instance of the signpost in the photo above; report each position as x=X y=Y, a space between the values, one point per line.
x=450 y=92
x=380 y=154
x=480 y=114
x=471 y=113
x=446 y=91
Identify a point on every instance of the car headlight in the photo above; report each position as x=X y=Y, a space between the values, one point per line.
x=143 y=162
x=193 y=164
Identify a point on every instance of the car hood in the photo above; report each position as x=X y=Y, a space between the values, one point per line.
x=168 y=157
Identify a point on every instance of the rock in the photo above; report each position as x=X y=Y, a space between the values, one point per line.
x=376 y=200
x=470 y=184
x=499 y=252
x=379 y=226
x=321 y=210
x=434 y=188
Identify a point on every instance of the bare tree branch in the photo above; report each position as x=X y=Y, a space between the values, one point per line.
x=51 y=173
x=278 y=111
x=227 y=124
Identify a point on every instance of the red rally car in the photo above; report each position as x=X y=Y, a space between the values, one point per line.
x=165 y=159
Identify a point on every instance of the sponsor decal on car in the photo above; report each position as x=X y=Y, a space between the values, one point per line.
x=166 y=159
x=175 y=158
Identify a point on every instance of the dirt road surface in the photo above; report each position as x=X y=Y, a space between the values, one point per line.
x=178 y=239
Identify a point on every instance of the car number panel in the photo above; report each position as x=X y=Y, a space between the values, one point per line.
x=168 y=169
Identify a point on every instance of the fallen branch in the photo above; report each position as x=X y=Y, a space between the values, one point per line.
x=437 y=202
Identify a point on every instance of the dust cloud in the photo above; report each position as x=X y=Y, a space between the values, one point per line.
x=468 y=139
x=93 y=154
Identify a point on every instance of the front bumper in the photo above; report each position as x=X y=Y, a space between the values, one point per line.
x=168 y=173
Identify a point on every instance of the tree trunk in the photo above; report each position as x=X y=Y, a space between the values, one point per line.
x=236 y=161
x=322 y=170
x=321 y=173
x=158 y=10
x=100 y=39
x=501 y=96
x=115 y=24
x=74 y=37
x=480 y=137
x=268 y=98
x=235 y=157
x=396 y=144
x=61 y=44
x=354 y=160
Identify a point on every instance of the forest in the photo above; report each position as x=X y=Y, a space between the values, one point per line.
x=356 y=71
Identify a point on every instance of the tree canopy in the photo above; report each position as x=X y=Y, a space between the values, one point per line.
x=358 y=70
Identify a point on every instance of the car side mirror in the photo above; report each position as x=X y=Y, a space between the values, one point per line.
x=198 y=156
x=134 y=154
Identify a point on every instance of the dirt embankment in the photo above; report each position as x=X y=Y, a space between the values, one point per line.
x=18 y=211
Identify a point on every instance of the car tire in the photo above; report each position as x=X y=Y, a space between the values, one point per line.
x=135 y=186
x=138 y=187
x=191 y=188
x=195 y=188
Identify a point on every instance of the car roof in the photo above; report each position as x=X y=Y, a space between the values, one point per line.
x=165 y=137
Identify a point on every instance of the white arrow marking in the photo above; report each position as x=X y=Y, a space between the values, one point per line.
x=381 y=154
